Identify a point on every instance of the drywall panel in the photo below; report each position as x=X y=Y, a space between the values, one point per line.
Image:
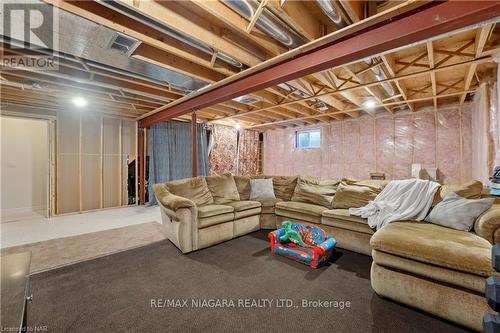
x=91 y=182
x=68 y=191
x=111 y=132
x=111 y=181
x=68 y=128
x=91 y=134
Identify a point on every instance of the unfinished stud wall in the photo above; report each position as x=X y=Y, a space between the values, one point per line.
x=92 y=153
x=389 y=144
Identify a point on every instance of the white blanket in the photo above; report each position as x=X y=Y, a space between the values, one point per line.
x=400 y=200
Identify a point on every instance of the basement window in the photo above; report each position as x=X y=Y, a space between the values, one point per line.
x=308 y=139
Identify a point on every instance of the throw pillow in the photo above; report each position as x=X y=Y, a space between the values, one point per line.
x=284 y=186
x=458 y=213
x=353 y=196
x=470 y=190
x=261 y=189
x=315 y=191
x=243 y=185
x=223 y=188
x=195 y=189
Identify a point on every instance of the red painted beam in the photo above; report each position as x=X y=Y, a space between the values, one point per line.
x=194 y=146
x=427 y=22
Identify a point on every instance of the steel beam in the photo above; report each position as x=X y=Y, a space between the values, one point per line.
x=194 y=146
x=426 y=22
x=142 y=167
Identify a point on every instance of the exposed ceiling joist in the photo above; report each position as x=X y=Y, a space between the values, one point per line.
x=365 y=41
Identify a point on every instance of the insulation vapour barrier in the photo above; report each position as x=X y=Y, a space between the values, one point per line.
x=389 y=144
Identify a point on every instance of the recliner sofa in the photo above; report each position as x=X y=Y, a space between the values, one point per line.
x=430 y=267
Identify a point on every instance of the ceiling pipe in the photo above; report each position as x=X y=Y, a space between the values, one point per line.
x=334 y=11
x=168 y=31
x=267 y=22
x=380 y=75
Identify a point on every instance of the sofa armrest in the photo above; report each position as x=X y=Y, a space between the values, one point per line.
x=169 y=200
x=488 y=223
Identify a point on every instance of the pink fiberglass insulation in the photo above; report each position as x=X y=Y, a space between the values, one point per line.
x=384 y=141
x=467 y=143
x=389 y=144
x=335 y=168
x=366 y=147
x=351 y=148
x=403 y=146
x=448 y=145
x=424 y=140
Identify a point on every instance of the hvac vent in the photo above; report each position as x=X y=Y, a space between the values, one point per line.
x=247 y=99
x=124 y=44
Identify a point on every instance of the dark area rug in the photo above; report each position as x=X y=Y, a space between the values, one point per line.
x=115 y=293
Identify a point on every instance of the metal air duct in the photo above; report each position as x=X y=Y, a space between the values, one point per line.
x=168 y=31
x=334 y=13
x=267 y=22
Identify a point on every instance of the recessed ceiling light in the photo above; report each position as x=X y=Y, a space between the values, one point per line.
x=79 y=101
x=369 y=104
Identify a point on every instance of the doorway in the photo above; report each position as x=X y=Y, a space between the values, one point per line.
x=25 y=168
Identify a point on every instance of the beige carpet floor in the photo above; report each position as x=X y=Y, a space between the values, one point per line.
x=60 y=252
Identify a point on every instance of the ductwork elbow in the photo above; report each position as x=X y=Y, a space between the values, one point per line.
x=333 y=13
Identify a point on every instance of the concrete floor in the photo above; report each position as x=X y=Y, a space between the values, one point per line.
x=41 y=229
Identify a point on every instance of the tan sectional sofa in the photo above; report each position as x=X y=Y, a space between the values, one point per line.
x=433 y=268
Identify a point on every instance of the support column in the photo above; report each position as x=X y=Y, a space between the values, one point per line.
x=194 y=145
x=142 y=166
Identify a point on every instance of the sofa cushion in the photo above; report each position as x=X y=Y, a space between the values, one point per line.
x=440 y=246
x=195 y=189
x=214 y=220
x=243 y=205
x=247 y=212
x=300 y=207
x=212 y=210
x=284 y=186
x=353 y=196
x=343 y=214
x=223 y=188
x=470 y=190
x=314 y=191
x=342 y=219
x=243 y=185
x=268 y=205
x=377 y=183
